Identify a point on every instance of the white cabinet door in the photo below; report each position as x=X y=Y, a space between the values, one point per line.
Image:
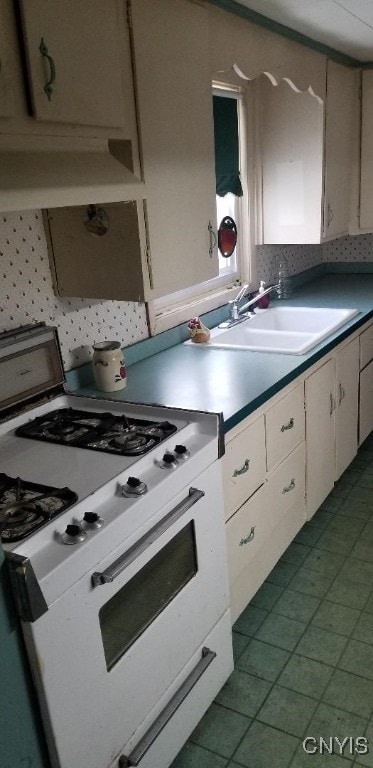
x=320 y=454
x=341 y=103
x=366 y=403
x=307 y=158
x=75 y=51
x=366 y=167
x=174 y=98
x=6 y=87
x=291 y=136
x=346 y=397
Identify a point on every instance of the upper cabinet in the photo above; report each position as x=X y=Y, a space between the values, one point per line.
x=73 y=53
x=306 y=152
x=67 y=68
x=366 y=169
x=174 y=99
x=6 y=84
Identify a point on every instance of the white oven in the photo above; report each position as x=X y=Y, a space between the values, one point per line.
x=123 y=595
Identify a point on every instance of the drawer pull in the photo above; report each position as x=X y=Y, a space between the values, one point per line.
x=243 y=469
x=332 y=405
x=289 y=487
x=342 y=393
x=140 y=751
x=287 y=426
x=248 y=538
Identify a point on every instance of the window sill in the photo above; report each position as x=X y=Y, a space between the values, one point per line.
x=168 y=317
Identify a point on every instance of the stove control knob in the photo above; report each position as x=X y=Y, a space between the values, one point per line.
x=134 y=487
x=168 y=461
x=181 y=452
x=74 y=534
x=92 y=521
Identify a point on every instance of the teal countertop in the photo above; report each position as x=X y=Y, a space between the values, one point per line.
x=235 y=383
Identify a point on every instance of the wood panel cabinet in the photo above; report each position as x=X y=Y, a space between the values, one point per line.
x=307 y=158
x=174 y=98
x=310 y=436
x=346 y=405
x=6 y=80
x=68 y=65
x=366 y=152
x=366 y=384
x=264 y=507
x=331 y=398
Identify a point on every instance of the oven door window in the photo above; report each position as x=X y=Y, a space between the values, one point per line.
x=131 y=610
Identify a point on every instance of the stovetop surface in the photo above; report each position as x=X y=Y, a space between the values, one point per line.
x=83 y=470
x=25 y=507
x=105 y=432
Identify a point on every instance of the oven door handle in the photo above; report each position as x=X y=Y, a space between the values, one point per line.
x=122 y=562
x=137 y=754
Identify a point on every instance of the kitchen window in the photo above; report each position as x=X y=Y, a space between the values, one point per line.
x=169 y=311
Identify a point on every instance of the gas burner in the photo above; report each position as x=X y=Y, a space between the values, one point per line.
x=25 y=507
x=133 y=443
x=105 y=432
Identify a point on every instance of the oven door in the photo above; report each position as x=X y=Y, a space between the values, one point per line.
x=107 y=650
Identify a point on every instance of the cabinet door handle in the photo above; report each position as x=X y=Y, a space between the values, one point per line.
x=342 y=393
x=243 y=469
x=330 y=215
x=52 y=67
x=213 y=239
x=332 y=404
x=289 y=487
x=289 y=425
x=248 y=538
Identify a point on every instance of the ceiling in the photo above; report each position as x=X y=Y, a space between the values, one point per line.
x=345 y=25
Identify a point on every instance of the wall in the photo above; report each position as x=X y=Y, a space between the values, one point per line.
x=356 y=249
x=26 y=295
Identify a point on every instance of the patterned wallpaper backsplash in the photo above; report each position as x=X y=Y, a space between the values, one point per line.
x=27 y=296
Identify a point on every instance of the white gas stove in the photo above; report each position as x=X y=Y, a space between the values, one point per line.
x=112 y=523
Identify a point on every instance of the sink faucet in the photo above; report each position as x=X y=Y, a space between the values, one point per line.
x=236 y=313
x=233 y=304
x=255 y=298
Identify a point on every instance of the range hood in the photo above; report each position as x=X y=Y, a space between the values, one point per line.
x=50 y=172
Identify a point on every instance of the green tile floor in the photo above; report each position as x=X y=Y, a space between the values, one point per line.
x=303 y=647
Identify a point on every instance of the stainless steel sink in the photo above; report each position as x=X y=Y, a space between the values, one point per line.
x=284 y=330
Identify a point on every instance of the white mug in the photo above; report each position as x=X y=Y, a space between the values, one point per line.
x=108 y=366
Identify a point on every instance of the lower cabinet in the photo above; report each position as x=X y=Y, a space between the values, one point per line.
x=366 y=384
x=264 y=481
x=331 y=399
x=366 y=402
x=263 y=527
x=282 y=462
x=320 y=406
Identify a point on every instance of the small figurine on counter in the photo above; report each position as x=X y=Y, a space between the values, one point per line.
x=198 y=332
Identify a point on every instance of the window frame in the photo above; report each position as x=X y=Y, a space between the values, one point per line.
x=169 y=311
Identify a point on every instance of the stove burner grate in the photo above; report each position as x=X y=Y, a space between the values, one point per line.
x=106 y=432
x=26 y=506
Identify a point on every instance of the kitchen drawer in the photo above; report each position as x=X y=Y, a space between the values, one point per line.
x=250 y=528
x=246 y=532
x=244 y=465
x=261 y=564
x=366 y=347
x=285 y=426
x=286 y=484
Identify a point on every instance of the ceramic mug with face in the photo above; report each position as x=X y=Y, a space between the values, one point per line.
x=108 y=366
